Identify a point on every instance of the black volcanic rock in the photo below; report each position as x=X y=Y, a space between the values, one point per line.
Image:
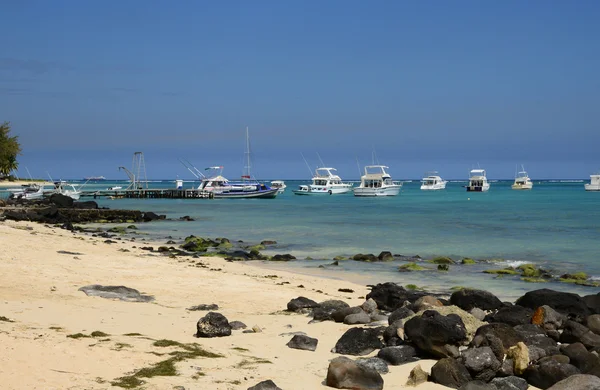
x=468 y=299
x=433 y=332
x=563 y=302
x=390 y=296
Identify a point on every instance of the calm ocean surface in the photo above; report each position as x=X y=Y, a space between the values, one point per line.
x=556 y=225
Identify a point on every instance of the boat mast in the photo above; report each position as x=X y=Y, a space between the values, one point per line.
x=246 y=173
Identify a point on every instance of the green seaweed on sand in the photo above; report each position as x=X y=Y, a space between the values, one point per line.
x=467 y=261
x=251 y=361
x=5 y=319
x=133 y=334
x=98 y=333
x=412 y=287
x=78 y=336
x=164 y=367
x=240 y=349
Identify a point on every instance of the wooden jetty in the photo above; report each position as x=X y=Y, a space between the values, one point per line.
x=146 y=193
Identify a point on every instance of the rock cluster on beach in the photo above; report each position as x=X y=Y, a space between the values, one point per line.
x=547 y=339
x=61 y=209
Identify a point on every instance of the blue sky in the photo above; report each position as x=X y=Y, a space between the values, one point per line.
x=429 y=85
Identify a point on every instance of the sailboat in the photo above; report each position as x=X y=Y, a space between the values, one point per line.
x=247 y=187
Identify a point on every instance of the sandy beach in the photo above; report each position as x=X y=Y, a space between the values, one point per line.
x=39 y=292
x=18 y=183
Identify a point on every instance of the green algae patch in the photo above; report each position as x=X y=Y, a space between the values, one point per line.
x=575 y=276
x=441 y=260
x=457 y=288
x=503 y=271
x=97 y=333
x=133 y=334
x=251 y=361
x=580 y=282
x=529 y=271
x=412 y=287
x=534 y=280
x=467 y=261
x=412 y=267
x=256 y=248
x=340 y=258
x=78 y=336
x=165 y=367
x=198 y=244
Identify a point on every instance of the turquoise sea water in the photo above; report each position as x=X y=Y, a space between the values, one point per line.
x=556 y=225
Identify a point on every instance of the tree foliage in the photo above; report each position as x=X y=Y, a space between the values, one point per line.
x=9 y=150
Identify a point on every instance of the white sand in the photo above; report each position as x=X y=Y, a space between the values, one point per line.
x=18 y=183
x=39 y=291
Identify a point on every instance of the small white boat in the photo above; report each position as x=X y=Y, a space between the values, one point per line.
x=377 y=182
x=115 y=188
x=325 y=182
x=594 y=184
x=66 y=189
x=28 y=191
x=478 y=181
x=280 y=185
x=432 y=181
x=522 y=181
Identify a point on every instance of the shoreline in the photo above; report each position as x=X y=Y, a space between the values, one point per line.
x=62 y=337
x=39 y=288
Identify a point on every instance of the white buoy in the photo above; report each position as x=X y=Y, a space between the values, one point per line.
x=179 y=183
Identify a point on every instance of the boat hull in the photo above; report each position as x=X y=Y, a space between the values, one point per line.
x=522 y=186
x=478 y=188
x=373 y=192
x=266 y=194
x=323 y=191
x=434 y=187
x=592 y=187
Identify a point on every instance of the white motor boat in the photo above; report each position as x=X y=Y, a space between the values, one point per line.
x=66 y=189
x=377 y=182
x=280 y=185
x=325 y=182
x=522 y=181
x=478 y=181
x=28 y=191
x=594 y=184
x=432 y=181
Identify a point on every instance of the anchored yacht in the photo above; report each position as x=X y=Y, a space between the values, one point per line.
x=325 y=182
x=478 y=181
x=377 y=182
x=594 y=184
x=522 y=181
x=432 y=181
